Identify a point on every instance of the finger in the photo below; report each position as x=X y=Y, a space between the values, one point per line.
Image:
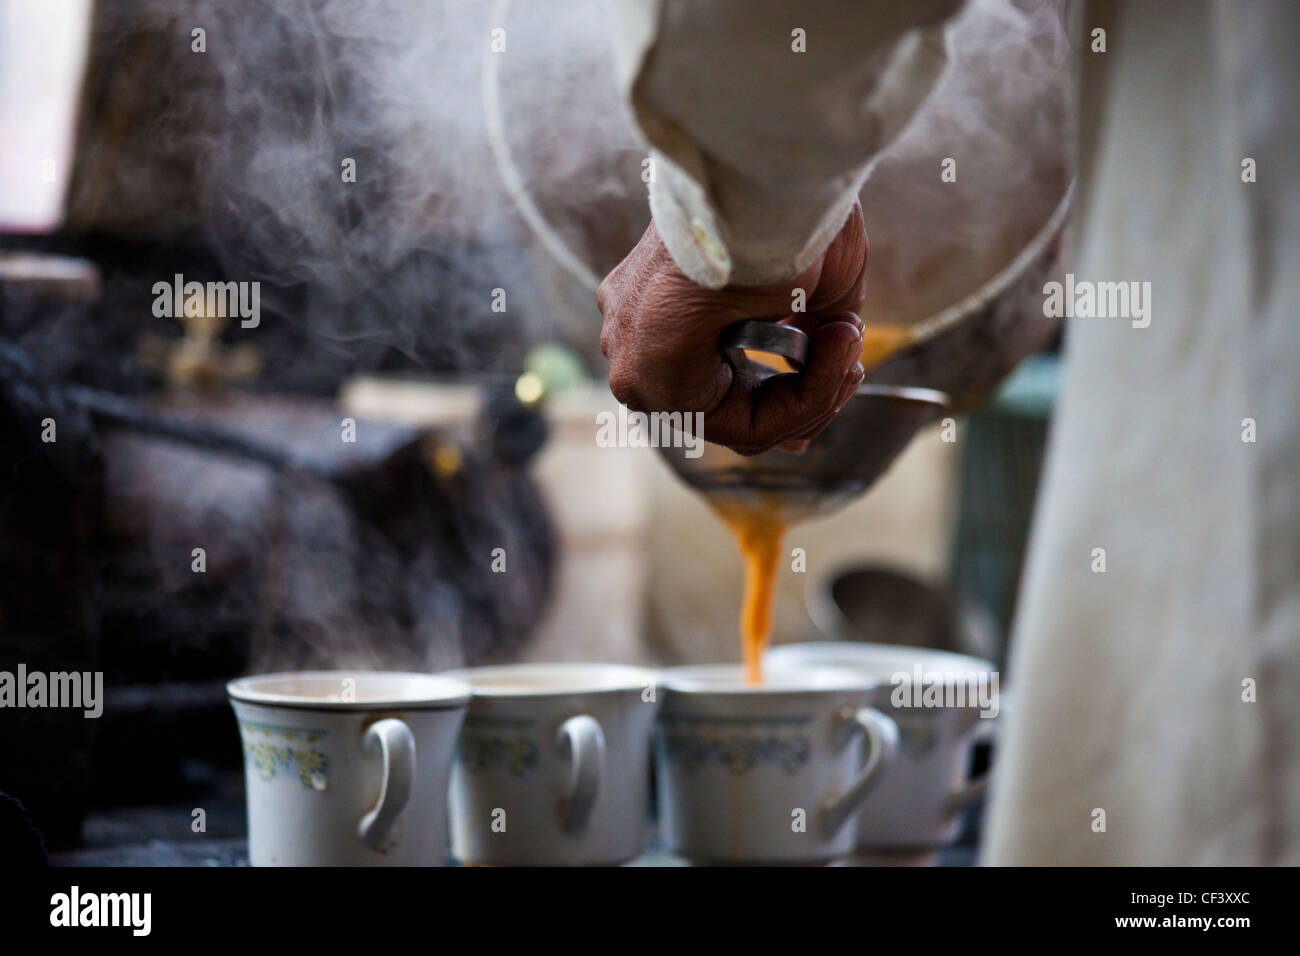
x=798 y=444
x=807 y=322
x=850 y=387
x=758 y=413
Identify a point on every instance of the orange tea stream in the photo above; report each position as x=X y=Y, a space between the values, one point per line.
x=759 y=528
x=760 y=522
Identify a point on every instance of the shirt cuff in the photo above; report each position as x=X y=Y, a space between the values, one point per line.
x=699 y=243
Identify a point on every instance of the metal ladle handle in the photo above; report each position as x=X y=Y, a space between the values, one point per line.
x=767 y=337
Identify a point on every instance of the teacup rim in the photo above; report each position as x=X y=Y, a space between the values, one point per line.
x=631 y=678
x=439 y=691
x=718 y=680
x=853 y=655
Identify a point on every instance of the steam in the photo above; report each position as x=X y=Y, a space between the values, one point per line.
x=248 y=140
x=246 y=143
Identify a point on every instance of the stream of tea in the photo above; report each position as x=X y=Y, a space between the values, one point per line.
x=759 y=527
x=759 y=523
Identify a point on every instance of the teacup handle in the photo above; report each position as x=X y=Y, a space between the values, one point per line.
x=882 y=739
x=972 y=789
x=583 y=741
x=396 y=745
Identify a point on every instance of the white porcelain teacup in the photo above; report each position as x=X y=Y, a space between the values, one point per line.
x=347 y=768
x=771 y=773
x=942 y=703
x=553 y=764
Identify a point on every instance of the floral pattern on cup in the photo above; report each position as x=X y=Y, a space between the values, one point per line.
x=492 y=742
x=271 y=748
x=737 y=743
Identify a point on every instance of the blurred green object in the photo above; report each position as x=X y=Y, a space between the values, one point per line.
x=1030 y=392
x=1002 y=456
x=557 y=366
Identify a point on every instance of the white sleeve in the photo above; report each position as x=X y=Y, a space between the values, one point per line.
x=764 y=116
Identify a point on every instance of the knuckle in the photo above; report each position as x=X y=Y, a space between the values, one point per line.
x=623 y=385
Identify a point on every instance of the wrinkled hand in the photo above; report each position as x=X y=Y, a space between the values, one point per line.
x=661 y=334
